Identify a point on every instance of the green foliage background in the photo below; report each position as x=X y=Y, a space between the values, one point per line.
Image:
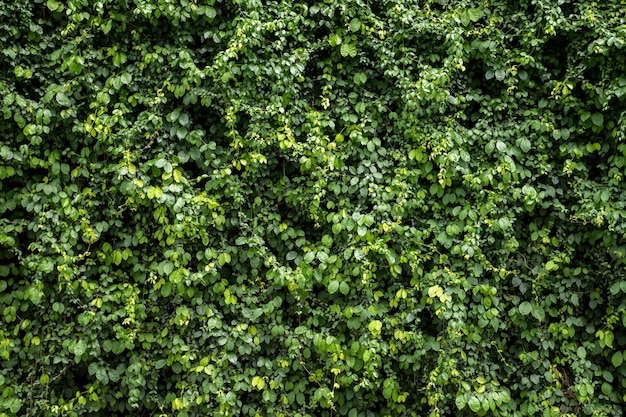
x=301 y=208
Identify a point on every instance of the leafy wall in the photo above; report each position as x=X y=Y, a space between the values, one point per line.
x=361 y=208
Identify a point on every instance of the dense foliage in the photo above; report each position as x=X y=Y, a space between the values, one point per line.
x=301 y=208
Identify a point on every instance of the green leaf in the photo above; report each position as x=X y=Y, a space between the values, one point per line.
x=173 y=116
x=551 y=266
x=54 y=5
x=258 y=382
x=13 y=404
x=525 y=308
x=355 y=25
x=184 y=119
x=435 y=291
x=168 y=267
x=360 y=78
x=126 y=78
x=348 y=49
x=117 y=257
x=223 y=258
x=460 y=401
x=617 y=359
x=474 y=404
x=333 y=286
x=166 y=289
x=80 y=347
x=465 y=18
x=474 y=14
x=344 y=288
x=597 y=119
x=62 y=99
x=334 y=40
x=210 y=12
x=375 y=327
x=525 y=145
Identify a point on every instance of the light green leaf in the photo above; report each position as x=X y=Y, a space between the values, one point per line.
x=474 y=404
x=465 y=18
x=348 y=49
x=360 y=78
x=355 y=25
x=62 y=99
x=126 y=78
x=525 y=308
x=551 y=266
x=333 y=287
x=474 y=14
x=210 y=12
x=80 y=347
x=435 y=291
x=224 y=258
x=460 y=402
x=258 y=382
x=54 y=5
x=334 y=40
x=375 y=327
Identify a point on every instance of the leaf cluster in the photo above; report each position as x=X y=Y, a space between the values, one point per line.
x=236 y=207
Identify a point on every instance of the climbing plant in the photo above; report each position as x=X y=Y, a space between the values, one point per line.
x=312 y=208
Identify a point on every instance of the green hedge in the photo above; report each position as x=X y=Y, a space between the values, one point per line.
x=301 y=208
